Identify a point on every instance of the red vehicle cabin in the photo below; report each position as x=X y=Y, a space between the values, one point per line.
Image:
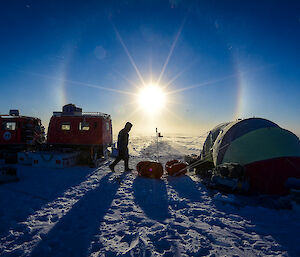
x=20 y=132
x=72 y=128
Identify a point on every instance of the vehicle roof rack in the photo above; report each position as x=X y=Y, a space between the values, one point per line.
x=86 y=114
x=7 y=116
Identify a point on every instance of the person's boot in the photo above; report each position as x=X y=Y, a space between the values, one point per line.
x=111 y=167
x=128 y=169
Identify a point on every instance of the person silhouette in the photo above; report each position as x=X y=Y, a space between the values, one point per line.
x=122 y=147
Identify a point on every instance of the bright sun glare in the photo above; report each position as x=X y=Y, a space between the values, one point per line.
x=151 y=99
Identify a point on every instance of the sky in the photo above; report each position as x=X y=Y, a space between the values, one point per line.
x=215 y=61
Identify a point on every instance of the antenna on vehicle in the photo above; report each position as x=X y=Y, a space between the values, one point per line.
x=158 y=135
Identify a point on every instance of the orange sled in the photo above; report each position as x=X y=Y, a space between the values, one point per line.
x=176 y=168
x=150 y=169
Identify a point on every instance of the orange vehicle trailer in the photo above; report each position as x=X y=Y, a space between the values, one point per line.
x=90 y=133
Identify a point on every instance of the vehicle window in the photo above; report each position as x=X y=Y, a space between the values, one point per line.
x=9 y=125
x=84 y=126
x=65 y=126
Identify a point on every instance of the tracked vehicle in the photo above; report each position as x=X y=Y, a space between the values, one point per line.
x=89 y=133
x=18 y=133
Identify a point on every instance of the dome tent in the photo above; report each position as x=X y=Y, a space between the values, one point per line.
x=210 y=140
x=269 y=154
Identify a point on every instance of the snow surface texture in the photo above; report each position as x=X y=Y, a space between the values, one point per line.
x=82 y=211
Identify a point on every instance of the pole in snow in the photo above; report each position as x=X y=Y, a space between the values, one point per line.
x=157 y=136
x=157 y=154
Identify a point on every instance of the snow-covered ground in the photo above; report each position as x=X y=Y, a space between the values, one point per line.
x=82 y=211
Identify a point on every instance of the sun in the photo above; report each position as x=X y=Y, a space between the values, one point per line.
x=151 y=99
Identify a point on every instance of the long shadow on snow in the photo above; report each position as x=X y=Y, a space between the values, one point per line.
x=72 y=235
x=151 y=195
x=185 y=187
x=241 y=206
x=266 y=219
x=43 y=187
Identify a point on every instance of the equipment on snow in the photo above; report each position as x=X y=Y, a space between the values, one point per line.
x=176 y=168
x=230 y=177
x=150 y=169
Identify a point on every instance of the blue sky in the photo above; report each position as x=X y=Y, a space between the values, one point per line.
x=224 y=59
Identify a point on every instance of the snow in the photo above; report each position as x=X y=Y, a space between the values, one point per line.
x=82 y=211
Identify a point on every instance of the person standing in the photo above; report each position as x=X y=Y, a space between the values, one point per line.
x=122 y=147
